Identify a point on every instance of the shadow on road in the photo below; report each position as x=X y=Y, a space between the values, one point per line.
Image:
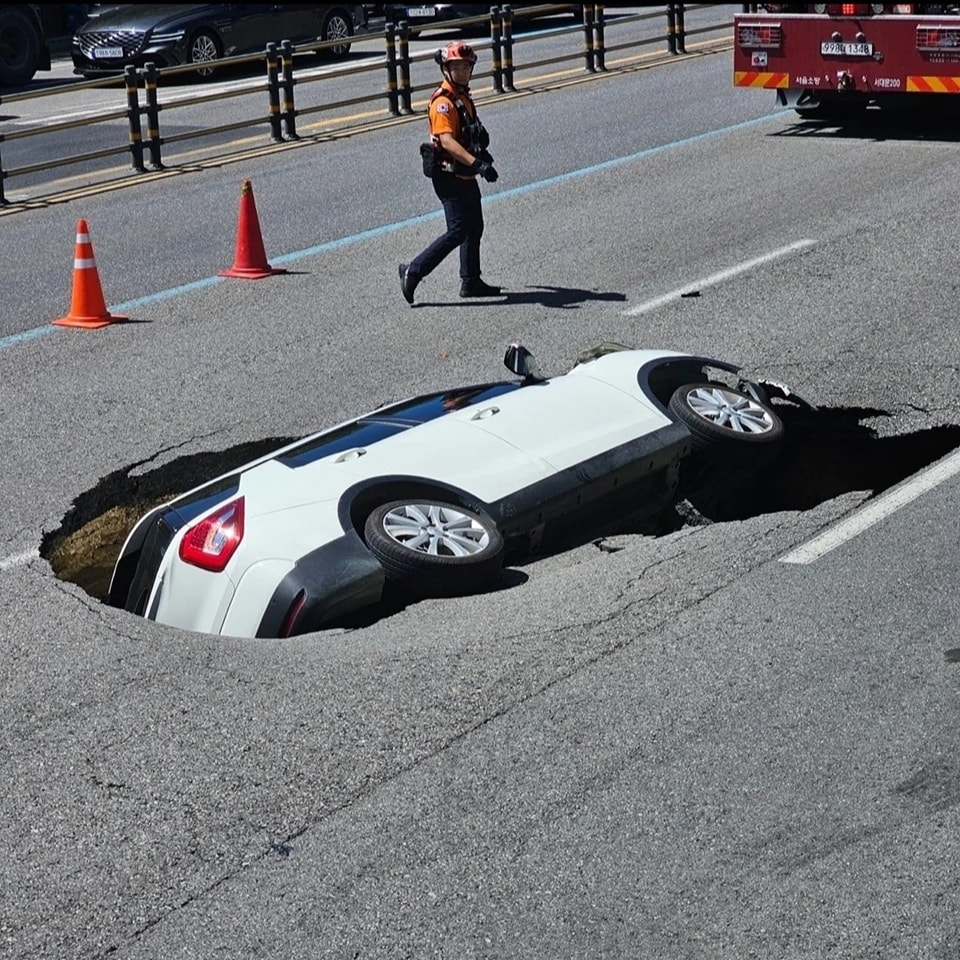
x=921 y=124
x=561 y=298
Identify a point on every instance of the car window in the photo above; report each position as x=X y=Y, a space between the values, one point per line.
x=391 y=420
x=429 y=407
x=357 y=434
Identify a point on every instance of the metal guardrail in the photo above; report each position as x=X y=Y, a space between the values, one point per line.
x=146 y=147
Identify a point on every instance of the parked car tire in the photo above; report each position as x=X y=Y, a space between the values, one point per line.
x=337 y=25
x=205 y=48
x=723 y=420
x=433 y=548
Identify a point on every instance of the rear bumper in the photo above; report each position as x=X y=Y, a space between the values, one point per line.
x=336 y=579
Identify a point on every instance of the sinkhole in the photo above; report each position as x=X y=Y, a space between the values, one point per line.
x=826 y=452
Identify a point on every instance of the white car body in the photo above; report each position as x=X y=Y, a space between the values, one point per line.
x=517 y=453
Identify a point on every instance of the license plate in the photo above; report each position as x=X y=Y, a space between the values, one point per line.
x=421 y=11
x=107 y=53
x=829 y=48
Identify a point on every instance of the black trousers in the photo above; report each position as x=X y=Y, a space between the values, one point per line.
x=464 y=214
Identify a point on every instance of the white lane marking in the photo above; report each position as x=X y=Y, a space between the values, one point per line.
x=716 y=278
x=875 y=511
x=19 y=559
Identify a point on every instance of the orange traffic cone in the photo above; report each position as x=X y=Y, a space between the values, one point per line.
x=87 y=306
x=250 y=260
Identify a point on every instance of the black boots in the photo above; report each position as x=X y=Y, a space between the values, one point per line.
x=468 y=288
x=477 y=288
x=408 y=283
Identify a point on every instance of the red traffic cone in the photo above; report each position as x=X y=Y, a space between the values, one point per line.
x=250 y=260
x=87 y=306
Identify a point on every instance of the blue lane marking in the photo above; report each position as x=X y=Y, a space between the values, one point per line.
x=16 y=338
x=129 y=305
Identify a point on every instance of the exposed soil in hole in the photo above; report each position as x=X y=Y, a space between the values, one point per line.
x=86 y=545
x=826 y=453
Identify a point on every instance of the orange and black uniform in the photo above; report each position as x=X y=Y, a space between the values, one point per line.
x=452 y=111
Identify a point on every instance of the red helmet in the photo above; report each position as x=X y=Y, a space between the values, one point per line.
x=456 y=50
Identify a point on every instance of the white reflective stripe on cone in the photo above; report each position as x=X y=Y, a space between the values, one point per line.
x=84 y=264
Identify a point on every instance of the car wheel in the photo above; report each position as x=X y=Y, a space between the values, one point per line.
x=433 y=548
x=337 y=25
x=204 y=49
x=19 y=49
x=722 y=420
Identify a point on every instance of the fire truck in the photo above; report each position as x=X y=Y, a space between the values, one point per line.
x=834 y=60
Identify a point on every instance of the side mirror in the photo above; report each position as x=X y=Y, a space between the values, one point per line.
x=519 y=360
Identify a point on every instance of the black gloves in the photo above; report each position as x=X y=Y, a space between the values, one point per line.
x=485 y=169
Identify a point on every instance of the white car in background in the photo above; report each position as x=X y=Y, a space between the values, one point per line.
x=429 y=493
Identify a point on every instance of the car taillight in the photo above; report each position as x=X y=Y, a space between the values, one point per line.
x=211 y=543
x=764 y=36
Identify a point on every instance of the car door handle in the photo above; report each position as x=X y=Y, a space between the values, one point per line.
x=350 y=455
x=485 y=412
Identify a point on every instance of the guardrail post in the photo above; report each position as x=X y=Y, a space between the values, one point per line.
x=588 y=38
x=390 y=34
x=506 y=23
x=3 y=176
x=403 y=56
x=289 y=112
x=598 y=52
x=131 y=82
x=671 y=28
x=152 y=108
x=496 y=37
x=681 y=31
x=273 y=91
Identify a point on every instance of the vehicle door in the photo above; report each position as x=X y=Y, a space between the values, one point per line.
x=302 y=22
x=247 y=27
x=567 y=420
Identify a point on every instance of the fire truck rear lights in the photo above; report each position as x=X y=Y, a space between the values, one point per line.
x=860 y=9
x=938 y=38
x=759 y=36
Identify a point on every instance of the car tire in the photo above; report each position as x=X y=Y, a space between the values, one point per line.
x=204 y=47
x=722 y=420
x=435 y=549
x=19 y=48
x=337 y=25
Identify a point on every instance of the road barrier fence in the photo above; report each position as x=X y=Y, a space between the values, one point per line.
x=143 y=85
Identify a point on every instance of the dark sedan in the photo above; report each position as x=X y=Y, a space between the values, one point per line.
x=173 y=34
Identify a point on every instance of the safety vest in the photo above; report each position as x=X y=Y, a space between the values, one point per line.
x=472 y=135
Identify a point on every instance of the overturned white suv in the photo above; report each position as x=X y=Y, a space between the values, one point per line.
x=427 y=493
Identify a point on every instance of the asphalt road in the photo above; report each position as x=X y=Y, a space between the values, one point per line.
x=673 y=747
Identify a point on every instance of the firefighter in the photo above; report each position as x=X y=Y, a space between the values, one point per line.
x=459 y=157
